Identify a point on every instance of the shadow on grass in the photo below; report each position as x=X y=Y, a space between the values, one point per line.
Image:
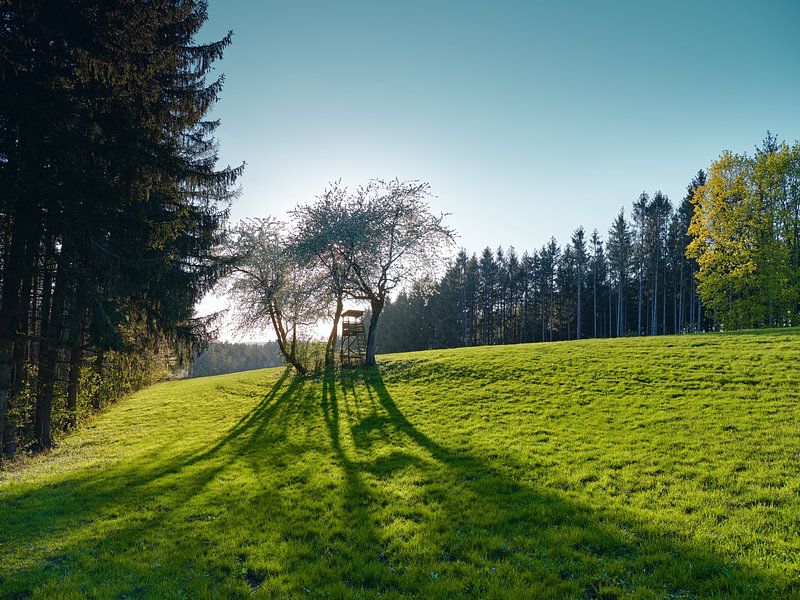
x=165 y=480
x=486 y=521
x=407 y=515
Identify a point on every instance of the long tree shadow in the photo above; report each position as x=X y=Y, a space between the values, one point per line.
x=153 y=488
x=327 y=488
x=480 y=518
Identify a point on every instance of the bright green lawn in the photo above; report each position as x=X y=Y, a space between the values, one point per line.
x=641 y=468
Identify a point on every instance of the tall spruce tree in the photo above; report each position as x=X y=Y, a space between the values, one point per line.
x=640 y=214
x=658 y=213
x=598 y=271
x=109 y=182
x=579 y=249
x=688 y=310
x=619 y=258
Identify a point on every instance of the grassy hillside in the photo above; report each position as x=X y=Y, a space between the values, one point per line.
x=642 y=468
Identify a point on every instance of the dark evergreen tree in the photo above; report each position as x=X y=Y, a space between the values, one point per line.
x=549 y=256
x=689 y=311
x=598 y=274
x=487 y=289
x=566 y=293
x=112 y=205
x=529 y=295
x=640 y=214
x=658 y=213
x=619 y=258
x=580 y=258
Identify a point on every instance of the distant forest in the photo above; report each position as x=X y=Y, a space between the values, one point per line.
x=726 y=257
x=227 y=357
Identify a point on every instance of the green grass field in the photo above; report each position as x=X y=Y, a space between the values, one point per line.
x=637 y=468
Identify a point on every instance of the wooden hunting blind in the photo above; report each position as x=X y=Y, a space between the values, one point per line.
x=353 y=348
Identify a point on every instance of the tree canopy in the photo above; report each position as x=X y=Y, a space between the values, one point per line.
x=359 y=245
x=746 y=236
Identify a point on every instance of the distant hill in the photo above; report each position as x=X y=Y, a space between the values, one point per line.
x=660 y=467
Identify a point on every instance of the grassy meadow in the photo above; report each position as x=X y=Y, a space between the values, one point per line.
x=661 y=468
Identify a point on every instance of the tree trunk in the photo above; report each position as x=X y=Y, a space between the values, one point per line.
x=280 y=334
x=594 y=300
x=20 y=347
x=372 y=334
x=21 y=341
x=544 y=320
x=619 y=308
x=679 y=321
x=75 y=360
x=44 y=328
x=330 y=348
x=654 y=313
x=578 y=323
x=51 y=342
x=19 y=371
x=98 y=369
x=699 y=315
x=9 y=311
x=692 y=300
x=639 y=303
x=664 y=302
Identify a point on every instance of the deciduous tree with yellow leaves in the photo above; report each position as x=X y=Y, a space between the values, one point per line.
x=745 y=237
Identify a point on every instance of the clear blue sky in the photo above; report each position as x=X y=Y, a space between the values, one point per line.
x=527 y=118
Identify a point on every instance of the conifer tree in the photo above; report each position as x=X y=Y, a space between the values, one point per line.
x=108 y=182
x=619 y=257
x=579 y=249
x=598 y=270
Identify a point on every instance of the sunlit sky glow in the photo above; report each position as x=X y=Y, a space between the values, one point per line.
x=527 y=118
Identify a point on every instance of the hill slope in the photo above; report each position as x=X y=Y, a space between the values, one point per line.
x=647 y=468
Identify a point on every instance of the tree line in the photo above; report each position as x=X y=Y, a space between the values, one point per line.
x=725 y=257
x=111 y=206
x=232 y=357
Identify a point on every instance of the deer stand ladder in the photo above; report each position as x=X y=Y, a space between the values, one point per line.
x=353 y=348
